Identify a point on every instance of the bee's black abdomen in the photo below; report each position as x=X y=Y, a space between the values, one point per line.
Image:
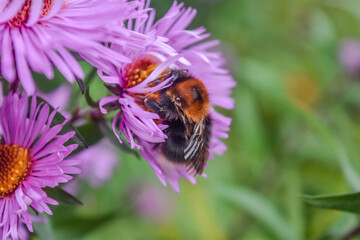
x=174 y=146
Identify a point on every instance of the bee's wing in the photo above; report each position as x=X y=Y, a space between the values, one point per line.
x=195 y=152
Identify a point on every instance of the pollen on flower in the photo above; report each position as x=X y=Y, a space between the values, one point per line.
x=23 y=15
x=14 y=167
x=139 y=70
x=46 y=7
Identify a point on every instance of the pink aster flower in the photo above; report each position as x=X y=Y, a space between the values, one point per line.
x=134 y=81
x=31 y=158
x=151 y=202
x=37 y=35
x=349 y=55
x=97 y=165
x=59 y=98
x=98 y=162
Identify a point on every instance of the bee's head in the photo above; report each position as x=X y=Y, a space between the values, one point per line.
x=190 y=98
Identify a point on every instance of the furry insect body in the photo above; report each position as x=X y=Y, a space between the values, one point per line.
x=184 y=107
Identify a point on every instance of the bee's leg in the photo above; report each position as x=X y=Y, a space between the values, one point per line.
x=156 y=82
x=153 y=105
x=140 y=99
x=160 y=79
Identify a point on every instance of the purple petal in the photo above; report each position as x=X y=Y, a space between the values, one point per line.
x=11 y=10
x=35 y=10
x=7 y=58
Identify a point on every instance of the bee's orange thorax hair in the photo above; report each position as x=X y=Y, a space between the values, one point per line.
x=194 y=98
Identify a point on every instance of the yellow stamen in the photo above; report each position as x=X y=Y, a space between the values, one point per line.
x=14 y=167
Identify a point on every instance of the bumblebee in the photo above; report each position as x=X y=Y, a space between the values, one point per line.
x=184 y=107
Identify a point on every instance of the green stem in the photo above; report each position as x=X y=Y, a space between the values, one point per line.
x=89 y=100
x=88 y=79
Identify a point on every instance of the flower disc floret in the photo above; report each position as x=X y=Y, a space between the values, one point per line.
x=22 y=17
x=14 y=167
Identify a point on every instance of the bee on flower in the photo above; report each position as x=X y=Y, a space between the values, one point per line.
x=166 y=96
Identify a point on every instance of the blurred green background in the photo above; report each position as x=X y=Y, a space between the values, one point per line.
x=295 y=131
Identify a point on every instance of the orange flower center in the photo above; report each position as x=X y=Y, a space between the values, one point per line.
x=14 y=167
x=23 y=15
x=137 y=71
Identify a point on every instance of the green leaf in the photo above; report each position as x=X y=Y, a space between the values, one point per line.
x=91 y=132
x=351 y=176
x=44 y=85
x=68 y=127
x=61 y=196
x=75 y=227
x=347 y=202
x=260 y=208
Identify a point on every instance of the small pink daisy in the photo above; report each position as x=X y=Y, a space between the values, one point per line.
x=349 y=56
x=193 y=53
x=31 y=158
x=98 y=163
x=37 y=35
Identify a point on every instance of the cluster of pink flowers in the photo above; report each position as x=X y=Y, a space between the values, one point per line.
x=130 y=50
